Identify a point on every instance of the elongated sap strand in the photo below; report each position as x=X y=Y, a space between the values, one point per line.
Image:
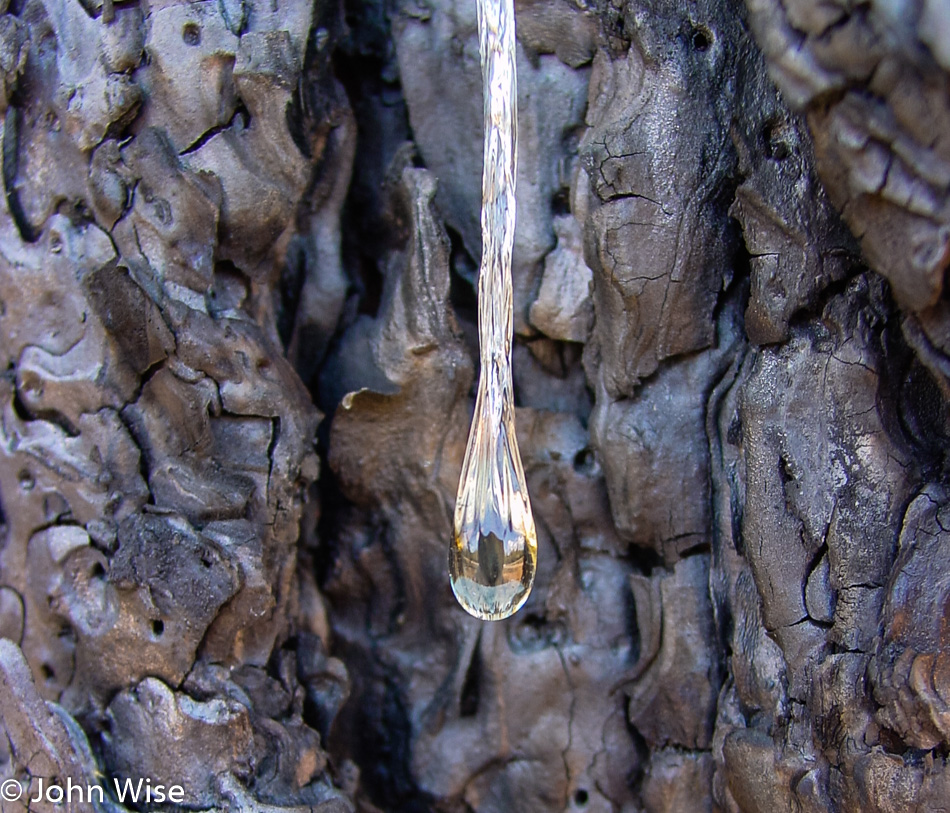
x=493 y=555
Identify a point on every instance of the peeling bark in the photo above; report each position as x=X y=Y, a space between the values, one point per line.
x=730 y=367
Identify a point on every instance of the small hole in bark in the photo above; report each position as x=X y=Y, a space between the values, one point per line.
x=97 y=571
x=47 y=671
x=585 y=462
x=158 y=627
x=191 y=34
x=206 y=562
x=26 y=480
x=581 y=797
x=701 y=39
x=776 y=137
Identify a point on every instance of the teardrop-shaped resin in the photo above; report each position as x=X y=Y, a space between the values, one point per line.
x=495 y=550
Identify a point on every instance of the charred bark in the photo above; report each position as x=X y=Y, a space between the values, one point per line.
x=732 y=379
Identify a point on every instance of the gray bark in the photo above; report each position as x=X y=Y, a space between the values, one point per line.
x=732 y=375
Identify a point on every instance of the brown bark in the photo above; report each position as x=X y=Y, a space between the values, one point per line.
x=731 y=370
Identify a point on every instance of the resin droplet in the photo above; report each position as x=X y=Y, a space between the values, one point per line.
x=495 y=550
x=494 y=554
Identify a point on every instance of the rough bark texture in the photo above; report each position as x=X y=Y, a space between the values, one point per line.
x=731 y=368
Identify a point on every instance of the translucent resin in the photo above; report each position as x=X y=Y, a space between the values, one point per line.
x=494 y=552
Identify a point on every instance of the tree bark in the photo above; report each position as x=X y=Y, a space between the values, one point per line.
x=238 y=247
